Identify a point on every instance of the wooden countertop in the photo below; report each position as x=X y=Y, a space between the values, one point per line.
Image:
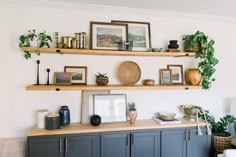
x=76 y=128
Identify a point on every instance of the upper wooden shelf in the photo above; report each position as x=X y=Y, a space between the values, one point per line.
x=108 y=52
x=110 y=87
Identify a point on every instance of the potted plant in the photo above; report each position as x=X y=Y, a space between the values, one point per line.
x=27 y=40
x=132 y=112
x=101 y=79
x=221 y=138
x=205 y=52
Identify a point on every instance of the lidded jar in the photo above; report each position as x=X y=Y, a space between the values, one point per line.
x=64 y=115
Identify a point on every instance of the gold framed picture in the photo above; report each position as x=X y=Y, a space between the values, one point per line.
x=176 y=73
x=79 y=74
x=165 y=76
x=62 y=78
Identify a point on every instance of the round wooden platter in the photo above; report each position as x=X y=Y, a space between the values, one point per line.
x=129 y=73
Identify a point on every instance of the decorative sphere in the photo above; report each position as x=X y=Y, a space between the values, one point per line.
x=95 y=120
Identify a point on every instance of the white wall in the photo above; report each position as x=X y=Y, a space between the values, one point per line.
x=18 y=106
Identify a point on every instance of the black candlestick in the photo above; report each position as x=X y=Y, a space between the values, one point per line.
x=48 y=71
x=38 y=62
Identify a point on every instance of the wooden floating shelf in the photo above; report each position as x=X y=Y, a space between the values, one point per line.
x=111 y=87
x=108 y=52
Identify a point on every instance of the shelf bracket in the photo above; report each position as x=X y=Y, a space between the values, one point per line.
x=59 y=51
x=57 y=89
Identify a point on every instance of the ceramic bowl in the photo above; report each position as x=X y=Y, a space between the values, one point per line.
x=167 y=116
x=149 y=82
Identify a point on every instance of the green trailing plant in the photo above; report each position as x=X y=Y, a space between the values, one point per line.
x=131 y=106
x=206 y=54
x=24 y=41
x=218 y=127
x=101 y=75
x=42 y=38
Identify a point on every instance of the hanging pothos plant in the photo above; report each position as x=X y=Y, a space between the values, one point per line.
x=206 y=54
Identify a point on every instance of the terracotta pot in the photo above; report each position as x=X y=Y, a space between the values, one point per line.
x=102 y=81
x=187 y=48
x=132 y=116
x=221 y=143
x=193 y=76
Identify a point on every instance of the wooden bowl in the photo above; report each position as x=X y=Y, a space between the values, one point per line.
x=149 y=82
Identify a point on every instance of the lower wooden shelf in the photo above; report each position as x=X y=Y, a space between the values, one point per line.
x=111 y=87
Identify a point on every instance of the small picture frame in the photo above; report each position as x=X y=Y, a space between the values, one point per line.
x=165 y=76
x=62 y=78
x=106 y=36
x=79 y=74
x=177 y=73
x=111 y=107
x=139 y=33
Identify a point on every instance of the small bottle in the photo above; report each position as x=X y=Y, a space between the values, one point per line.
x=64 y=115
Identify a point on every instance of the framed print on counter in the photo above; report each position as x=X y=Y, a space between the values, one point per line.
x=106 y=36
x=111 y=107
x=79 y=74
x=177 y=73
x=139 y=33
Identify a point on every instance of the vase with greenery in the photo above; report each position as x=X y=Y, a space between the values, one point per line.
x=221 y=138
x=206 y=54
x=132 y=112
x=102 y=79
x=44 y=38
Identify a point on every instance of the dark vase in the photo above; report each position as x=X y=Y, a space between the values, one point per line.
x=95 y=120
x=64 y=115
x=173 y=44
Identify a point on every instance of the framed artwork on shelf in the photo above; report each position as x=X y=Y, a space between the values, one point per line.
x=62 y=78
x=111 y=107
x=79 y=74
x=165 y=76
x=106 y=36
x=177 y=73
x=139 y=33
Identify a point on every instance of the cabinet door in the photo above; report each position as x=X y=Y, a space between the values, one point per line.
x=173 y=143
x=45 y=147
x=82 y=146
x=115 y=145
x=145 y=144
x=198 y=146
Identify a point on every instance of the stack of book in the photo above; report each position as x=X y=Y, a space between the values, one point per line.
x=160 y=121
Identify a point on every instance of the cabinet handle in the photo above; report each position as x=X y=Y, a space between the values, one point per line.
x=60 y=145
x=66 y=145
x=189 y=135
x=132 y=138
x=127 y=140
x=186 y=136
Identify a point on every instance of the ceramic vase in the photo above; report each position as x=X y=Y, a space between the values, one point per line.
x=193 y=76
x=132 y=116
x=102 y=81
x=173 y=44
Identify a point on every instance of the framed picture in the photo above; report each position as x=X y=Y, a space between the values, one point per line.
x=177 y=73
x=62 y=78
x=111 y=107
x=107 y=35
x=139 y=33
x=79 y=74
x=165 y=76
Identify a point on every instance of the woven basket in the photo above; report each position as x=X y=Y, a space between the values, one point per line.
x=102 y=81
x=187 y=48
x=221 y=143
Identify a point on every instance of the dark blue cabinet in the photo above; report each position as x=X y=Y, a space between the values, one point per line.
x=115 y=145
x=185 y=143
x=46 y=147
x=64 y=146
x=131 y=144
x=145 y=144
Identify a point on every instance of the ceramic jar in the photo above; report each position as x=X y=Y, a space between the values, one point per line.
x=64 y=115
x=173 y=44
x=193 y=76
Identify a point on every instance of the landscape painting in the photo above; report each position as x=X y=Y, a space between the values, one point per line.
x=79 y=74
x=107 y=35
x=139 y=33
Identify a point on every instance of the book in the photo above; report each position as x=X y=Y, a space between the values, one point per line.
x=158 y=120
